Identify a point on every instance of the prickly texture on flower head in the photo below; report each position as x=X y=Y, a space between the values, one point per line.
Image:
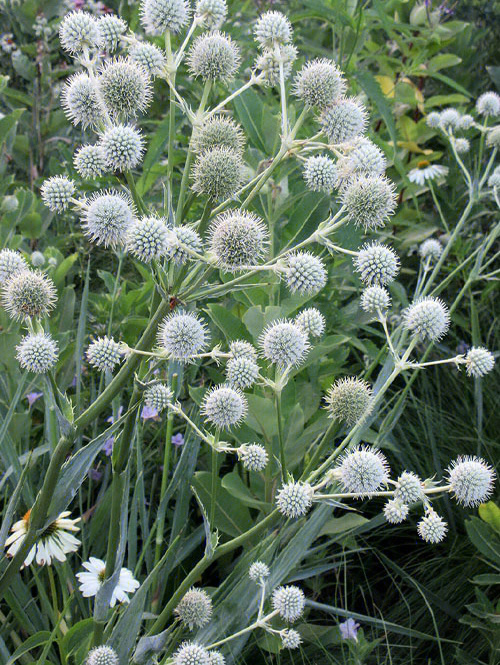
x=268 y=64
x=104 y=354
x=364 y=157
x=107 y=216
x=344 y=120
x=37 y=353
x=305 y=273
x=237 y=239
x=148 y=56
x=253 y=456
x=125 y=88
x=375 y=298
x=89 y=161
x=157 y=16
x=11 y=263
x=319 y=83
x=158 y=396
x=102 y=655
x=241 y=349
x=112 y=28
x=294 y=499
x=488 y=104
x=290 y=639
x=479 y=361
x=28 y=294
x=428 y=317
x=241 y=372
x=181 y=241
x=79 y=31
x=432 y=528
x=218 y=131
x=363 y=470
x=430 y=249
x=471 y=479
x=195 y=608
x=349 y=400
x=80 y=100
x=182 y=335
x=214 y=57
x=449 y=119
x=395 y=511
x=273 y=29
x=218 y=173
x=289 y=601
x=311 y=321
x=409 y=488
x=376 y=264
x=57 y=192
x=320 y=173
x=284 y=344
x=258 y=570
x=191 y=653
x=122 y=147
x=224 y=407
x=147 y=238
x=369 y=200
x=212 y=12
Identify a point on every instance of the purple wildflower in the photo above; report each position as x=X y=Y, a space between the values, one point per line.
x=349 y=630
x=108 y=446
x=95 y=475
x=32 y=397
x=149 y=413
x=178 y=439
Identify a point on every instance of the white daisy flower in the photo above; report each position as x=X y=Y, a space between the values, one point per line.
x=54 y=543
x=91 y=581
x=427 y=171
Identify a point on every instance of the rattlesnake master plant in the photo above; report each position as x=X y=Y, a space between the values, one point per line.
x=212 y=240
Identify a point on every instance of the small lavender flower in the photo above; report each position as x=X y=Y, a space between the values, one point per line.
x=149 y=413
x=349 y=630
x=178 y=439
x=32 y=398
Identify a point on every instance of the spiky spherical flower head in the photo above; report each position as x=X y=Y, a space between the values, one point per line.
x=158 y=16
x=377 y=264
x=28 y=294
x=290 y=639
x=430 y=249
x=195 y=608
x=432 y=528
x=433 y=119
x=488 y=104
x=216 y=658
x=158 y=396
x=305 y=273
x=273 y=29
x=241 y=349
x=349 y=400
x=218 y=173
x=284 y=344
x=214 y=57
x=369 y=200
x=294 y=499
x=449 y=119
x=125 y=87
x=492 y=138
x=147 y=238
x=258 y=570
x=375 y=298
x=268 y=63
x=289 y=601
x=80 y=100
x=479 y=361
x=191 y=653
x=102 y=655
x=37 y=259
x=494 y=179
x=112 y=28
x=237 y=239
x=409 y=488
x=107 y=218
x=104 y=353
x=182 y=239
x=122 y=146
x=466 y=121
x=395 y=511
x=363 y=470
x=344 y=120
x=218 y=131
x=463 y=145
x=89 y=161
x=182 y=335
x=79 y=31
x=148 y=56
x=311 y=321
x=212 y=13
x=320 y=173
x=57 y=192
x=241 y=372
x=253 y=457
x=319 y=83
x=37 y=353
x=471 y=479
x=11 y=263
x=429 y=318
x=365 y=157
x=224 y=407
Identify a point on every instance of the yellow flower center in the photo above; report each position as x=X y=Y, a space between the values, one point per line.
x=423 y=164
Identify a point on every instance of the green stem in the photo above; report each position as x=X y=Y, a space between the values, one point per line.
x=214 y=479
x=281 y=438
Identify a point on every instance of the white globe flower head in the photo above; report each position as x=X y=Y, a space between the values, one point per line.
x=319 y=83
x=218 y=131
x=28 y=294
x=492 y=137
x=462 y=145
x=214 y=57
x=289 y=601
x=104 y=354
x=268 y=64
x=471 y=479
x=191 y=653
x=449 y=119
x=158 y=397
x=369 y=200
x=37 y=353
x=363 y=470
x=431 y=249
x=112 y=28
x=311 y=322
x=433 y=119
x=395 y=511
x=488 y=104
x=320 y=173
x=363 y=157
x=374 y=299
x=125 y=88
x=258 y=571
x=218 y=173
x=122 y=147
x=216 y=658
x=409 y=488
x=107 y=216
x=494 y=179
x=224 y=407
x=344 y=120
x=11 y=263
x=284 y=344
x=212 y=13
x=349 y=400
x=57 y=192
x=37 y=259
x=238 y=239
x=377 y=264
x=241 y=349
x=479 y=361
x=148 y=56
x=241 y=372
x=147 y=238
x=89 y=161
x=305 y=273
x=102 y=655
x=294 y=499
x=432 y=528
x=79 y=31
x=466 y=121
x=158 y=16
x=182 y=335
x=253 y=456
x=290 y=639
x=181 y=241
x=273 y=29
x=428 y=318
x=194 y=609
x=92 y=579
x=80 y=101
